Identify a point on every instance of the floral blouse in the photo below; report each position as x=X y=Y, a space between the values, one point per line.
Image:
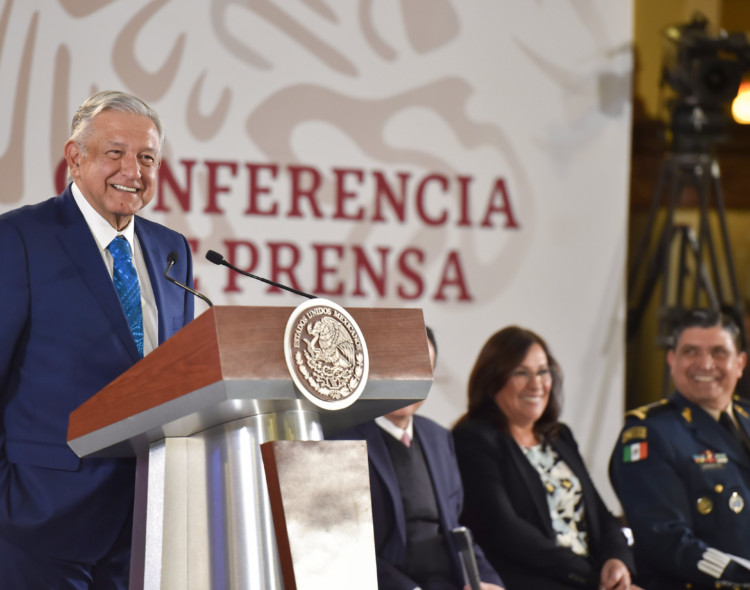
x=564 y=497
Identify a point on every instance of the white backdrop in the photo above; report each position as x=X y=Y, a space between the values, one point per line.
x=468 y=157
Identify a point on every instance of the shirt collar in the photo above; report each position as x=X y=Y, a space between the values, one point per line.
x=716 y=414
x=103 y=232
x=394 y=430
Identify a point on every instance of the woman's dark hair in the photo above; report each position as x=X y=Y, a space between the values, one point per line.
x=431 y=338
x=500 y=356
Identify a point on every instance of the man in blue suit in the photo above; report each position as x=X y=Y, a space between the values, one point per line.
x=66 y=522
x=417 y=498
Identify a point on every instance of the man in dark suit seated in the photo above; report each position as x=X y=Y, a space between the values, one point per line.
x=416 y=501
x=681 y=466
x=83 y=298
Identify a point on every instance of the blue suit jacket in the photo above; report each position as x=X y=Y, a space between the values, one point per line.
x=387 y=506
x=63 y=337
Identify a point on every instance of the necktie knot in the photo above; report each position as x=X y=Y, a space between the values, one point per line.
x=120 y=249
x=406 y=439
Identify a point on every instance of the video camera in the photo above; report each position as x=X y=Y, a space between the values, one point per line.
x=705 y=72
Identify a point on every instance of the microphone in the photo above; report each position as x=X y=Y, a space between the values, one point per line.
x=462 y=538
x=217 y=258
x=171 y=259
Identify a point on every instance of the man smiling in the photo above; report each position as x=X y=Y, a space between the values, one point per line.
x=83 y=299
x=113 y=162
x=681 y=466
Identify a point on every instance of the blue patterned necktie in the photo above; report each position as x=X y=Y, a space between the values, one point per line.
x=126 y=285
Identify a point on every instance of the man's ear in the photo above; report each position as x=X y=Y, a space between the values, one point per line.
x=742 y=360
x=671 y=354
x=72 y=155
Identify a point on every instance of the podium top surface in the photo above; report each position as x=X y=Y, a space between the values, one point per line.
x=229 y=364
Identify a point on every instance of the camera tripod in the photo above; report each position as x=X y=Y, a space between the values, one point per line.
x=697 y=259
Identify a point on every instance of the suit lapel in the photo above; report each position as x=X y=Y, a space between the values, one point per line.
x=80 y=246
x=712 y=434
x=743 y=420
x=441 y=484
x=153 y=258
x=531 y=481
x=568 y=455
x=383 y=466
x=434 y=466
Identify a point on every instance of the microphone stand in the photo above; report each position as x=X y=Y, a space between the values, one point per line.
x=218 y=259
x=170 y=263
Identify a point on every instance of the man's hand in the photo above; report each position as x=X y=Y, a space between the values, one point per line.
x=486 y=586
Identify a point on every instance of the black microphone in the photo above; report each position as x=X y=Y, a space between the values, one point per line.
x=171 y=259
x=465 y=545
x=217 y=258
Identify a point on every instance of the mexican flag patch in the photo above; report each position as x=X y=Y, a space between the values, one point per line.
x=635 y=452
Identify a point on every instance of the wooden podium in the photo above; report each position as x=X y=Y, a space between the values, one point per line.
x=196 y=410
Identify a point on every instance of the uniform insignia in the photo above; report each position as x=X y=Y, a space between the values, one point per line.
x=740 y=410
x=643 y=411
x=708 y=457
x=704 y=505
x=736 y=503
x=687 y=413
x=635 y=452
x=633 y=433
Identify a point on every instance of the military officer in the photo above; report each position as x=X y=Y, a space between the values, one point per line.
x=681 y=466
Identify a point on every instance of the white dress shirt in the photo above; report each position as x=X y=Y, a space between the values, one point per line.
x=394 y=430
x=104 y=233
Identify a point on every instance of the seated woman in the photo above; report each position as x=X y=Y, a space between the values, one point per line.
x=529 y=499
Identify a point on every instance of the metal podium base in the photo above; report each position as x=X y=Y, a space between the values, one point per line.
x=204 y=518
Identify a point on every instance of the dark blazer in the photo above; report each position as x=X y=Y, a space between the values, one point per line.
x=63 y=337
x=387 y=506
x=506 y=507
x=688 y=491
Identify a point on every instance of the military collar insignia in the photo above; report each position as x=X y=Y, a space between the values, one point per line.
x=740 y=410
x=687 y=413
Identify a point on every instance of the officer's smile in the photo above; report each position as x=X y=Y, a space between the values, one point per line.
x=705 y=366
x=706 y=378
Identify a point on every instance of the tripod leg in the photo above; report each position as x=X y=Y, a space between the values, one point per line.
x=682 y=271
x=701 y=274
x=677 y=186
x=703 y=187
x=653 y=273
x=738 y=304
x=659 y=265
x=667 y=170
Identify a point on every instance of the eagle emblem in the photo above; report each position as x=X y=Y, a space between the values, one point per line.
x=328 y=354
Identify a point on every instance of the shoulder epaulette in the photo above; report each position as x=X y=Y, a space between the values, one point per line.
x=644 y=411
x=741 y=405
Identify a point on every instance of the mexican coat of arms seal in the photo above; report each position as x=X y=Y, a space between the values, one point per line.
x=326 y=354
